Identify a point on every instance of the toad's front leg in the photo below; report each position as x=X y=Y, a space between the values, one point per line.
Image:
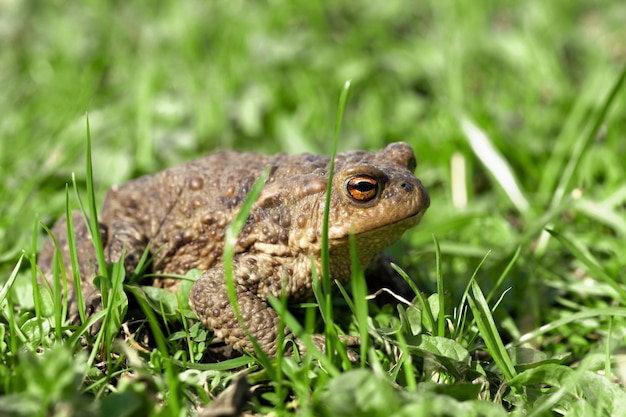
x=255 y=276
x=209 y=300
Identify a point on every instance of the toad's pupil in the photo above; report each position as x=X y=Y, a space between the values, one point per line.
x=363 y=186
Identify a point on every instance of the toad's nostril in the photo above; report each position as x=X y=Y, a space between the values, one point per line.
x=406 y=186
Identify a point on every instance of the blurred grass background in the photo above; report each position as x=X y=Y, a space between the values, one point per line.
x=166 y=82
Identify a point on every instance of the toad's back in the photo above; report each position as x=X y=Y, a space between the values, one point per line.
x=183 y=212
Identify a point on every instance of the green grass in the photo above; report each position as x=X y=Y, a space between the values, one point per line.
x=523 y=308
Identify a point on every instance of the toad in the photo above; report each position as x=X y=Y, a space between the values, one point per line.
x=181 y=215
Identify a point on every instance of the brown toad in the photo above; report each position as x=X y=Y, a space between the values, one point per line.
x=182 y=215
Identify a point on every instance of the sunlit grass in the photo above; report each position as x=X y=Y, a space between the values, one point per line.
x=520 y=296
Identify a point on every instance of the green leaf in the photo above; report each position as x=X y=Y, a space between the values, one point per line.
x=441 y=347
x=459 y=391
x=432 y=405
x=33 y=330
x=357 y=393
x=159 y=300
x=126 y=404
x=413 y=315
x=550 y=374
x=576 y=386
x=527 y=357
x=603 y=393
x=361 y=392
x=440 y=352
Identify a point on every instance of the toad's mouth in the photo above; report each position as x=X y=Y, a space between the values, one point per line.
x=393 y=230
x=407 y=222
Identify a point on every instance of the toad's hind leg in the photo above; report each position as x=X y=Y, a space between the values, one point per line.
x=87 y=264
x=120 y=238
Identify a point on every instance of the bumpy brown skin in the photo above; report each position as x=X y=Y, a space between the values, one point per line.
x=182 y=214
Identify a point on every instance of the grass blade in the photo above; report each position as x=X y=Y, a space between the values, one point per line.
x=489 y=331
x=230 y=240
x=326 y=284
x=173 y=402
x=441 y=320
x=58 y=276
x=71 y=241
x=584 y=256
x=584 y=140
x=495 y=163
x=94 y=226
x=429 y=318
x=504 y=273
x=4 y=291
x=572 y=318
x=359 y=294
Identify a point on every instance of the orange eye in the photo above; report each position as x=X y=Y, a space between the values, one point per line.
x=362 y=188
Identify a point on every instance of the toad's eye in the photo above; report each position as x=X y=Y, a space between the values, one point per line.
x=362 y=188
